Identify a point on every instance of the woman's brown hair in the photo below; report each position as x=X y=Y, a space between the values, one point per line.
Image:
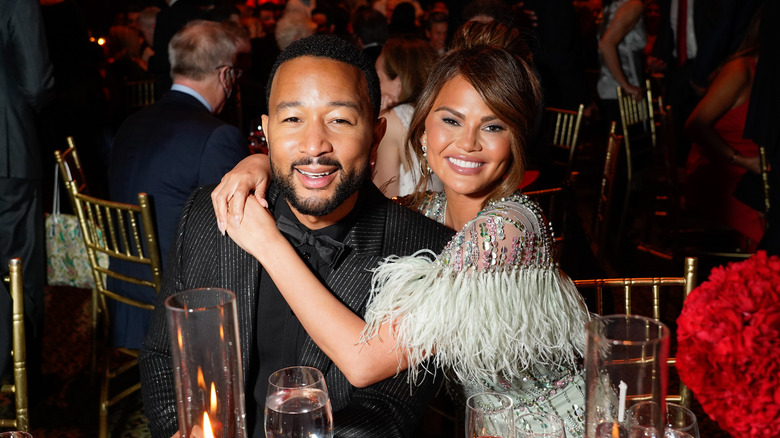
x=410 y=59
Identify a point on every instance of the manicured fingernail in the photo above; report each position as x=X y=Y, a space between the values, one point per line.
x=221 y=226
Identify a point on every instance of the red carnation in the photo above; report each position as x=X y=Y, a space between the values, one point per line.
x=729 y=346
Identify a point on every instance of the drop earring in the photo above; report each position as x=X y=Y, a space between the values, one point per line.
x=424 y=167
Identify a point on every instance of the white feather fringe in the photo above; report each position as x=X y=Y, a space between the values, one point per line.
x=482 y=324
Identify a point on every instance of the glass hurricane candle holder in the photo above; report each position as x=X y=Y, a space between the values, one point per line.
x=207 y=363
x=625 y=363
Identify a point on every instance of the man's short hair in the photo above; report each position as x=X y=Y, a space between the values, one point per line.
x=335 y=48
x=200 y=47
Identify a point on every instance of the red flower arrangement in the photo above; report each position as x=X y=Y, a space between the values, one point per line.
x=729 y=346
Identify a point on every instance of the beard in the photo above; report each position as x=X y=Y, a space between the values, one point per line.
x=318 y=205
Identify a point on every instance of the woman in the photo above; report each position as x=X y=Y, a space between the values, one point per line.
x=720 y=157
x=622 y=40
x=402 y=68
x=493 y=306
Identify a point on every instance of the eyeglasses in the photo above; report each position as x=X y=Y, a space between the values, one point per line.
x=237 y=72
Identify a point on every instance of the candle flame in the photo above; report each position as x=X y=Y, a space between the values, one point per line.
x=213 y=399
x=179 y=336
x=201 y=380
x=222 y=333
x=615 y=430
x=207 y=432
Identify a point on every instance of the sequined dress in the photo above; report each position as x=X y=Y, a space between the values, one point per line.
x=495 y=308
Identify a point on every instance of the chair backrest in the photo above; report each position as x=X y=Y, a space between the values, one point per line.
x=563 y=130
x=637 y=118
x=601 y=223
x=140 y=93
x=21 y=420
x=122 y=232
x=654 y=309
x=552 y=202
x=70 y=167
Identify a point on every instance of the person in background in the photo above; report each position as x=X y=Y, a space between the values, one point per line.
x=370 y=28
x=622 y=42
x=436 y=30
x=720 y=158
x=402 y=67
x=294 y=25
x=172 y=147
x=26 y=87
x=323 y=121
x=147 y=19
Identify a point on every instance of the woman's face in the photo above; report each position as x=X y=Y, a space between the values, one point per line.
x=468 y=146
x=390 y=88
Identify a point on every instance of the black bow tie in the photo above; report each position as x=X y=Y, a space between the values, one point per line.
x=328 y=249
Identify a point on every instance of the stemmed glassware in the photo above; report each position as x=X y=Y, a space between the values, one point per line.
x=680 y=421
x=539 y=425
x=297 y=404
x=489 y=415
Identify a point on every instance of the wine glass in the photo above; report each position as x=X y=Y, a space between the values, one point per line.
x=15 y=434
x=297 y=404
x=489 y=415
x=539 y=425
x=680 y=421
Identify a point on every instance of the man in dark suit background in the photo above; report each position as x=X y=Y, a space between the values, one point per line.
x=174 y=146
x=714 y=30
x=26 y=85
x=322 y=125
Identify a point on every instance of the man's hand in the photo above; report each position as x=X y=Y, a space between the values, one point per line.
x=252 y=174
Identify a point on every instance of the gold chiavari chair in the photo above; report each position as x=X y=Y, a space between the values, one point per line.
x=637 y=118
x=21 y=419
x=552 y=202
x=128 y=234
x=563 y=127
x=661 y=289
x=71 y=171
x=70 y=166
x=601 y=223
x=140 y=94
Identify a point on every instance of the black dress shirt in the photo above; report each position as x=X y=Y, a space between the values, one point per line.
x=280 y=335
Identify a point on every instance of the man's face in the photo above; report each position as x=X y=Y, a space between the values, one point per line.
x=437 y=35
x=320 y=130
x=268 y=20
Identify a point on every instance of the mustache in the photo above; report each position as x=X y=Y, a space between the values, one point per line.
x=322 y=161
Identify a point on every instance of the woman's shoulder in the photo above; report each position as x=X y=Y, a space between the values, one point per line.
x=507 y=233
x=518 y=210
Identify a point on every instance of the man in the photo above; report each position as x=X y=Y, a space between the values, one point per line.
x=170 y=148
x=436 y=30
x=26 y=85
x=694 y=37
x=321 y=127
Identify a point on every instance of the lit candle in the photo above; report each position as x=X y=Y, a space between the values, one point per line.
x=207 y=432
x=622 y=406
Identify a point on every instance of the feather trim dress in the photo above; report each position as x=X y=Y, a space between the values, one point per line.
x=494 y=307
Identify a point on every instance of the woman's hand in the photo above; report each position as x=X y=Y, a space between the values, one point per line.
x=256 y=233
x=252 y=174
x=752 y=164
x=633 y=91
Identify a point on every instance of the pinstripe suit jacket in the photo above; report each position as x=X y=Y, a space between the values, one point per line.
x=202 y=257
